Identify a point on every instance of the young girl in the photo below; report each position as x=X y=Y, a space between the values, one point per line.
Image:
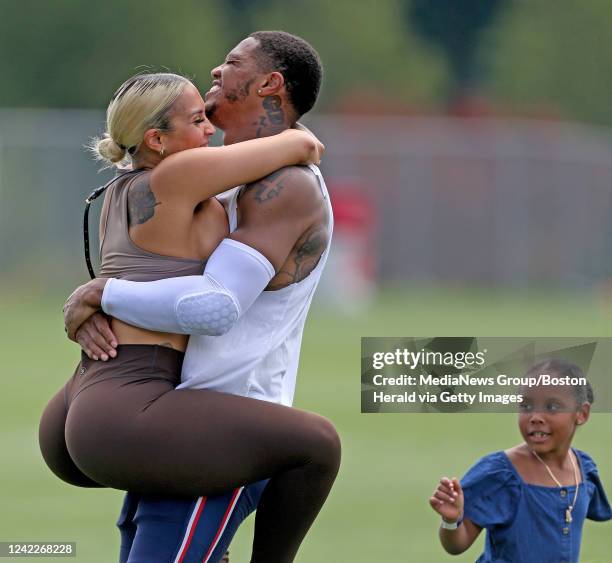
x=533 y=498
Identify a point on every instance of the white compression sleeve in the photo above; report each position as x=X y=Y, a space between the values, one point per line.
x=210 y=304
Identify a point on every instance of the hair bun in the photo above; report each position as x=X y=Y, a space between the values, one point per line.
x=108 y=149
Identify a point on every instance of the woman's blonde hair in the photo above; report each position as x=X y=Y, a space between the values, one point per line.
x=142 y=102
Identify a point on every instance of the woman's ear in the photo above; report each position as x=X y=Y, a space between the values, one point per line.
x=271 y=85
x=152 y=140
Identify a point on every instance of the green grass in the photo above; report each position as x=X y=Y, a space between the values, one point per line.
x=378 y=510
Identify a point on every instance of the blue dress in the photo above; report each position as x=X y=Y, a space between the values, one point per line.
x=526 y=523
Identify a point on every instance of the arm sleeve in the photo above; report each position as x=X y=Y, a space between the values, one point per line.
x=599 y=508
x=491 y=492
x=210 y=304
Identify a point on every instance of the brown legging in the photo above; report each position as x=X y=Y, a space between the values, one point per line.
x=122 y=424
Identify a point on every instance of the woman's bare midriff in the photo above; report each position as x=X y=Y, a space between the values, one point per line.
x=127 y=334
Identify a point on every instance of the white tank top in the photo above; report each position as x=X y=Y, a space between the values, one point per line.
x=259 y=356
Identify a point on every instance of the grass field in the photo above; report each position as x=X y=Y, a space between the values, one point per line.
x=378 y=510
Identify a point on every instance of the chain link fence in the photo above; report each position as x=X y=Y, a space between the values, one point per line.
x=497 y=202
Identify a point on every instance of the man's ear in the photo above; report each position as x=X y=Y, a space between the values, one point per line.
x=271 y=84
x=152 y=140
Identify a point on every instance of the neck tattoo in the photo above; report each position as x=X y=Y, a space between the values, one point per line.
x=274 y=120
x=568 y=512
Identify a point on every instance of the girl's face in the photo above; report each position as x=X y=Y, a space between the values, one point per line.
x=548 y=417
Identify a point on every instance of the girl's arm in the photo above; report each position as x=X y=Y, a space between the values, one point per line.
x=194 y=175
x=459 y=540
x=447 y=500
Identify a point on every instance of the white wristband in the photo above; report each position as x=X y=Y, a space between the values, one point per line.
x=451 y=525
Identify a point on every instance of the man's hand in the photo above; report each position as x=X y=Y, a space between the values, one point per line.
x=96 y=338
x=82 y=304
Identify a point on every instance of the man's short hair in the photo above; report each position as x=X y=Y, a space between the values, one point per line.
x=297 y=61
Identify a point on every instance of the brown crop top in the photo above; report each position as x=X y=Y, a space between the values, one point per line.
x=119 y=256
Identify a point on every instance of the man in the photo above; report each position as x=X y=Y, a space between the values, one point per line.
x=265 y=84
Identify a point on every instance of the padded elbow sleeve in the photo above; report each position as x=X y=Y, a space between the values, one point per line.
x=240 y=273
x=210 y=313
x=208 y=305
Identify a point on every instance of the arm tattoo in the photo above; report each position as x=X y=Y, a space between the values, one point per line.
x=307 y=251
x=269 y=187
x=141 y=203
x=303 y=259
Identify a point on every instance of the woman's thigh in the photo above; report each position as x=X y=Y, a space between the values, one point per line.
x=144 y=437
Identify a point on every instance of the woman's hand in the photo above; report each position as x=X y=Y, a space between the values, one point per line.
x=447 y=499
x=314 y=148
x=317 y=153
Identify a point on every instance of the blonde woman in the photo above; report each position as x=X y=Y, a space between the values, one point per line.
x=121 y=423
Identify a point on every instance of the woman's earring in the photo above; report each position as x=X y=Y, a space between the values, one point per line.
x=259 y=90
x=161 y=152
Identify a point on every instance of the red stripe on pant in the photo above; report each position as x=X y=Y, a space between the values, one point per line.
x=193 y=526
x=224 y=520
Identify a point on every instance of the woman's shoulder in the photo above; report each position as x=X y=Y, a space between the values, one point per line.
x=126 y=178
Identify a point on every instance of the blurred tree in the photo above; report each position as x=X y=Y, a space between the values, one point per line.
x=372 y=65
x=455 y=27
x=70 y=53
x=239 y=17
x=553 y=60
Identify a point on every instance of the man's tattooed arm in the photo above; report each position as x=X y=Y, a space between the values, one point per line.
x=303 y=259
x=269 y=187
x=141 y=202
x=284 y=216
